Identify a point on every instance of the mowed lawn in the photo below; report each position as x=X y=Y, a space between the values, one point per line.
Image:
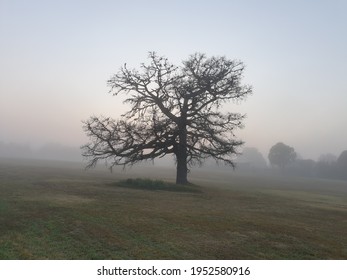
x=59 y=211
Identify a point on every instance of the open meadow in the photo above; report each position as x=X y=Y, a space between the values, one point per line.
x=56 y=210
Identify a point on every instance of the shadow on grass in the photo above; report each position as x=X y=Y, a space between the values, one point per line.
x=156 y=185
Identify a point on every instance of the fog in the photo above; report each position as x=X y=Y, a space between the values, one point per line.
x=50 y=151
x=56 y=57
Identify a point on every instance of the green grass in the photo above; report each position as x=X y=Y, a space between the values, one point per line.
x=59 y=211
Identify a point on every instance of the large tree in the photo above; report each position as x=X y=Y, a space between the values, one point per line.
x=174 y=110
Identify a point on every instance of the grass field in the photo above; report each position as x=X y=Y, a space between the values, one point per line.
x=54 y=210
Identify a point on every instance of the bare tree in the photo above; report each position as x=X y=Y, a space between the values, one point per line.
x=174 y=110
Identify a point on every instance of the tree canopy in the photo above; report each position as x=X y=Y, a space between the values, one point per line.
x=173 y=110
x=251 y=158
x=281 y=155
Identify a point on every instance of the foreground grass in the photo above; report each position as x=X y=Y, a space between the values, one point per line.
x=156 y=185
x=54 y=212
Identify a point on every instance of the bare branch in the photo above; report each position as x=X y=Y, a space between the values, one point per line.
x=172 y=110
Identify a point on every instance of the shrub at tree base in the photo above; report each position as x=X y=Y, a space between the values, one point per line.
x=156 y=185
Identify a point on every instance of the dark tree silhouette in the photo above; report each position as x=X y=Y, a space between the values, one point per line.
x=281 y=155
x=174 y=110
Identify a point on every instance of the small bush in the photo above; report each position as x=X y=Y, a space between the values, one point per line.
x=156 y=185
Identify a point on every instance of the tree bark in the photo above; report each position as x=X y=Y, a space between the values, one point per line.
x=181 y=155
x=182 y=170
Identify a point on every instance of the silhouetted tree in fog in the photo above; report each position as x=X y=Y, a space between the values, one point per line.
x=281 y=155
x=251 y=158
x=342 y=165
x=174 y=110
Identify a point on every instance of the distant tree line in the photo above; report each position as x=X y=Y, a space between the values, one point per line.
x=285 y=158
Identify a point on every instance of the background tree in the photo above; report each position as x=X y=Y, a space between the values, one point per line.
x=342 y=165
x=281 y=155
x=326 y=166
x=174 y=110
x=251 y=158
x=302 y=167
x=327 y=158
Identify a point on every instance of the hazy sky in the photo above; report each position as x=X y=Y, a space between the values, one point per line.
x=55 y=58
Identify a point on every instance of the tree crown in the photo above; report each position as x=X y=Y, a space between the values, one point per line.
x=281 y=155
x=173 y=110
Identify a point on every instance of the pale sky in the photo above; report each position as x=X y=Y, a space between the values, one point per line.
x=56 y=56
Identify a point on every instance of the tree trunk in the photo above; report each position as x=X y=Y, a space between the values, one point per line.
x=181 y=156
x=182 y=170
